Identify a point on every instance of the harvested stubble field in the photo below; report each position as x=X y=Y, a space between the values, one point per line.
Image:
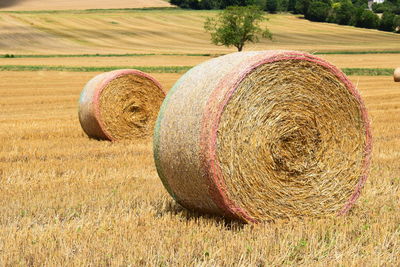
x=65 y=199
x=341 y=61
x=167 y=31
x=151 y=60
x=24 y=5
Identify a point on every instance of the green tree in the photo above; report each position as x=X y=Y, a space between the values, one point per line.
x=301 y=6
x=259 y=3
x=193 y=4
x=291 y=5
x=365 y=18
x=272 y=6
x=360 y=3
x=210 y=4
x=236 y=26
x=318 y=11
x=341 y=12
x=397 y=23
x=378 y=7
x=282 y=5
x=387 y=21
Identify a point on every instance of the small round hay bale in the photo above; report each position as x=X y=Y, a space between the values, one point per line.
x=264 y=135
x=396 y=75
x=120 y=104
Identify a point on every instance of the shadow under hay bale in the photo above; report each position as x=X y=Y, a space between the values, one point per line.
x=121 y=104
x=174 y=209
x=264 y=135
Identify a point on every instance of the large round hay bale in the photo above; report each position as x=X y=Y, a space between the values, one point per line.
x=264 y=135
x=121 y=104
x=396 y=75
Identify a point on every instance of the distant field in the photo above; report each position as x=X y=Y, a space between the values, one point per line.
x=149 y=69
x=341 y=61
x=68 y=200
x=110 y=61
x=168 y=31
x=19 y=5
x=363 y=61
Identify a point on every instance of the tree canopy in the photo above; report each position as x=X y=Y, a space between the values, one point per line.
x=237 y=25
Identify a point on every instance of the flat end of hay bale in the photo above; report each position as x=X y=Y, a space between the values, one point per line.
x=121 y=104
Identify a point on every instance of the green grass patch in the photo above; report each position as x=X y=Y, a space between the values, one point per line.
x=355 y=52
x=368 y=71
x=168 y=69
x=152 y=69
x=104 y=55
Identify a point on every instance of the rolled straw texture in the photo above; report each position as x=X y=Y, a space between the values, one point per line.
x=120 y=104
x=396 y=75
x=264 y=135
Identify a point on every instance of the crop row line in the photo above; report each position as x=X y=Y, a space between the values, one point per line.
x=169 y=69
x=188 y=54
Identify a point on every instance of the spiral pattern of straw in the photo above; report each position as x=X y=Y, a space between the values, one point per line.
x=121 y=104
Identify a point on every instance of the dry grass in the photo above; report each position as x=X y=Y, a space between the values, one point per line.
x=364 y=61
x=168 y=31
x=22 y=5
x=156 y=60
x=18 y=36
x=68 y=200
x=341 y=61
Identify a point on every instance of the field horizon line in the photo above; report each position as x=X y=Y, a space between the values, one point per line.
x=90 y=10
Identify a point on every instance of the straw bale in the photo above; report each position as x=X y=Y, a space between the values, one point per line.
x=396 y=75
x=264 y=135
x=121 y=104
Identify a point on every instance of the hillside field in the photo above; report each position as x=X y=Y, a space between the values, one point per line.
x=168 y=31
x=67 y=200
x=28 y=5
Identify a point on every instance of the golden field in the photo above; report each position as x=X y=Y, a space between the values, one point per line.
x=148 y=61
x=168 y=31
x=66 y=200
x=341 y=61
x=26 y=5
